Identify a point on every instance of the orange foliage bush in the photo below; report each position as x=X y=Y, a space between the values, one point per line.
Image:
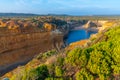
x=76 y=44
x=49 y=27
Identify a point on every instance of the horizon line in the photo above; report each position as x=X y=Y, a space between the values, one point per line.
x=56 y=14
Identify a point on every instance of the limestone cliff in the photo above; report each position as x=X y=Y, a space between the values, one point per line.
x=20 y=48
x=19 y=45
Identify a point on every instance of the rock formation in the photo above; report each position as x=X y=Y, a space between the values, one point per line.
x=20 y=42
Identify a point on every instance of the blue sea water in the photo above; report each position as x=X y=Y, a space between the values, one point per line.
x=77 y=35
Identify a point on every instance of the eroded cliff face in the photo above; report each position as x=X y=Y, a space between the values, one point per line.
x=22 y=39
x=20 y=48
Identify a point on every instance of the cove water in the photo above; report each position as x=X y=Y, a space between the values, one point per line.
x=77 y=35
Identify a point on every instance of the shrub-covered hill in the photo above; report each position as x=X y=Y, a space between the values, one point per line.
x=100 y=61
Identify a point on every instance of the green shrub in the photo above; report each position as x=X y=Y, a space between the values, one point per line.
x=76 y=57
x=58 y=71
x=48 y=54
x=83 y=74
x=39 y=73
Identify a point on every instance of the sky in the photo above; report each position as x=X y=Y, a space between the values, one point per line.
x=70 y=7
